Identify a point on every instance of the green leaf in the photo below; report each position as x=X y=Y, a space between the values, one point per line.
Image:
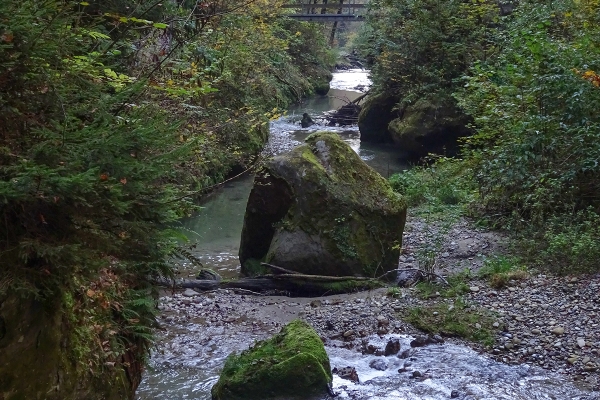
x=160 y=25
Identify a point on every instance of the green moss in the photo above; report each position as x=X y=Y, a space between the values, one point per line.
x=454 y=320
x=322 y=88
x=342 y=208
x=253 y=267
x=292 y=364
x=341 y=236
x=350 y=286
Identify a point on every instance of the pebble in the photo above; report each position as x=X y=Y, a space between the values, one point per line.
x=558 y=330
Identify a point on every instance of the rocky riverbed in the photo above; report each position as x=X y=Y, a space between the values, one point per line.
x=543 y=321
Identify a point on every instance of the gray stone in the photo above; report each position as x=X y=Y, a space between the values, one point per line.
x=190 y=293
x=379 y=364
x=321 y=210
x=559 y=330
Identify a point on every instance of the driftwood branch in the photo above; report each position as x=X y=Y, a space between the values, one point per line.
x=318 y=278
x=427 y=273
x=276 y=269
x=359 y=98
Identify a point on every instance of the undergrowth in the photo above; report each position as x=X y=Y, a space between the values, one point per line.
x=501 y=270
x=454 y=319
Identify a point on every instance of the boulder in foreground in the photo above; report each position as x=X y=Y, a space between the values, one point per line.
x=291 y=365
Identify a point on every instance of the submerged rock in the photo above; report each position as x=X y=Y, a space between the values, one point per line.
x=392 y=347
x=291 y=365
x=380 y=364
x=321 y=210
x=348 y=373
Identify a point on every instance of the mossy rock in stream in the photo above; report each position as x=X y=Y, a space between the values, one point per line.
x=429 y=127
x=291 y=365
x=320 y=210
x=374 y=117
x=321 y=81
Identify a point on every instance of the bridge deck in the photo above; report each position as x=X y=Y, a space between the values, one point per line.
x=326 y=17
x=321 y=6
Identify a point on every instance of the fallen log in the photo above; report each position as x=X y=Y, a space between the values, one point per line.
x=293 y=284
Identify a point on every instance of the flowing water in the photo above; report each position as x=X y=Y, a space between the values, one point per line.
x=191 y=350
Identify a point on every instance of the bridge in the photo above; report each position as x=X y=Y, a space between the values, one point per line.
x=313 y=12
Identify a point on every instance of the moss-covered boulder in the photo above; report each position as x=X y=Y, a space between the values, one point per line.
x=291 y=365
x=429 y=127
x=320 y=210
x=376 y=113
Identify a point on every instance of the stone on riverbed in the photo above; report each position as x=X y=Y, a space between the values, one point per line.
x=320 y=210
x=293 y=364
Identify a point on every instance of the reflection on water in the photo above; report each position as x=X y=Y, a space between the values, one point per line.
x=215 y=230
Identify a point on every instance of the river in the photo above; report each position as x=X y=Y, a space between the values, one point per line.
x=199 y=332
x=216 y=229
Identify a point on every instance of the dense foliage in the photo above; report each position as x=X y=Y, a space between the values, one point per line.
x=536 y=110
x=528 y=79
x=418 y=48
x=112 y=114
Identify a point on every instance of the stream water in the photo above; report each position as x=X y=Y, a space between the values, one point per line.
x=191 y=350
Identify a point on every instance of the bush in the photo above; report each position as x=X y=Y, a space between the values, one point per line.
x=444 y=182
x=572 y=245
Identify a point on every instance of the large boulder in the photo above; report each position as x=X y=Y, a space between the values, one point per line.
x=321 y=210
x=291 y=365
x=376 y=114
x=429 y=127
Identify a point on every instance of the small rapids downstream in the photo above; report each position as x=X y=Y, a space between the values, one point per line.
x=199 y=331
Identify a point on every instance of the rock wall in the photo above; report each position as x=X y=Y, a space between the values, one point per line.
x=36 y=357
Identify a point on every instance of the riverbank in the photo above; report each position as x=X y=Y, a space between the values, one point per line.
x=200 y=328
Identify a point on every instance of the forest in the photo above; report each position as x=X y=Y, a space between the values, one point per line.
x=522 y=78
x=117 y=116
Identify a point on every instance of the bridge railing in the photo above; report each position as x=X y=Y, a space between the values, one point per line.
x=319 y=12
